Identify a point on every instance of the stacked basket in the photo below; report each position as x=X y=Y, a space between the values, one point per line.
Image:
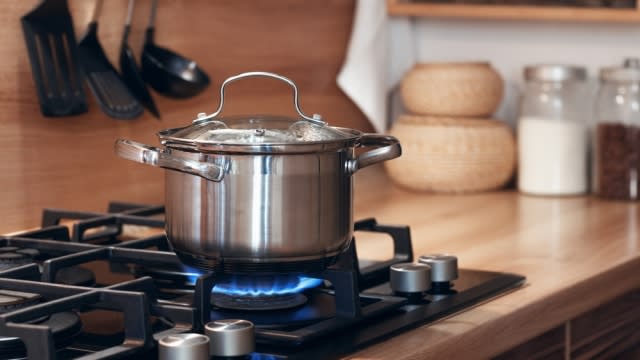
x=450 y=142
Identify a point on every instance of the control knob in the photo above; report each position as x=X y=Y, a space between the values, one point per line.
x=230 y=337
x=187 y=346
x=410 y=278
x=444 y=269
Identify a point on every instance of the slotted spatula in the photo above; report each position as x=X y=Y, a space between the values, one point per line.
x=112 y=94
x=51 y=43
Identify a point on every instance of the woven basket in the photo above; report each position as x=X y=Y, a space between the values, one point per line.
x=452 y=89
x=444 y=154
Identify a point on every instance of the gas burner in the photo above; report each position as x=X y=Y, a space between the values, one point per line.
x=258 y=302
x=11 y=256
x=264 y=285
x=317 y=305
x=14 y=256
x=265 y=292
x=64 y=326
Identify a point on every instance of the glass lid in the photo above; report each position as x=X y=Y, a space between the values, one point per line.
x=255 y=129
x=257 y=132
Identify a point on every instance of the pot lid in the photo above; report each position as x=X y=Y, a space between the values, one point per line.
x=258 y=133
x=254 y=129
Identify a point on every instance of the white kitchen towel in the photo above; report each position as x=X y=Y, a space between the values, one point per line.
x=380 y=51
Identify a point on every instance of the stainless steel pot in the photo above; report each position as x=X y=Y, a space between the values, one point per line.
x=260 y=193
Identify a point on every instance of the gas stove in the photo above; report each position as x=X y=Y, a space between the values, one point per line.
x=86 y=286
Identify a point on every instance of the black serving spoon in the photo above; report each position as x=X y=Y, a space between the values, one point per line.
x=167 y=72
x=129 y=68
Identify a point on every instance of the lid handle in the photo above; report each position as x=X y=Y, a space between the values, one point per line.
x=316 y=118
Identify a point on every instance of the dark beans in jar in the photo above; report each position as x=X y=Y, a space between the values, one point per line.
x=617 y=161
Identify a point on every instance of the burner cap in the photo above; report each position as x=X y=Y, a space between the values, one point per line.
x=257 y=303
x=30 y=252
x=10 y=260
x=75 y=275
x=11 y=256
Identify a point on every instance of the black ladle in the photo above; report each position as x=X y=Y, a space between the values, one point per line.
x=129 y=68
x=167 y=72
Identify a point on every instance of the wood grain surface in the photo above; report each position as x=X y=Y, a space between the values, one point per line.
x=513 y=12
x=576 y=252
x=69 y=162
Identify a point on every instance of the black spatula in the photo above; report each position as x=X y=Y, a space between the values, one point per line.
x=130 y=71
x=106 y=85
x=51 y=43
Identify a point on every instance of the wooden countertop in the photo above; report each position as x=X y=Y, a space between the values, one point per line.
x=576 y=252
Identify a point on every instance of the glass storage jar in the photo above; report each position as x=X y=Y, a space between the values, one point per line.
x=553 y=131
x=616 y=155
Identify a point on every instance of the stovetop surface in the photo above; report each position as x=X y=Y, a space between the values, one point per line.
x=90 y=291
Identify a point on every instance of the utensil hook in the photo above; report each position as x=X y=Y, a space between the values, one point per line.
x=316 y=118
x=127 y=21
x=152 y=15
x=96 y=11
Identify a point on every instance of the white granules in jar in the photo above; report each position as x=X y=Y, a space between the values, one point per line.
x=552 y=156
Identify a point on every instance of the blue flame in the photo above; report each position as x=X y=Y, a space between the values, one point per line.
x=192 y=274
x=256 y=356
x=259 y=285
x=266 y=285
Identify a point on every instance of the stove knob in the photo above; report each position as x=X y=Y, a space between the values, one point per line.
x=410 y=278
x=444 y=268
x=230 y=337
x=186 y=346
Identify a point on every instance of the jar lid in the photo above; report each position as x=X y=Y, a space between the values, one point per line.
x=551 y=72
x=620 y=74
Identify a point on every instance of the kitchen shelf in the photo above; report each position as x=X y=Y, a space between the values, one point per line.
x=511 y=12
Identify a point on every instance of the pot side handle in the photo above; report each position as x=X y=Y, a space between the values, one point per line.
x=388 y=147
x=154 y=156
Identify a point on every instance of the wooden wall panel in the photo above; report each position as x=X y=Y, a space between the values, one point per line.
x=69 y=162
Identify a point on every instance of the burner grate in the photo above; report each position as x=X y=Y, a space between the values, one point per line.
x=64 y=299
x=106 y=227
